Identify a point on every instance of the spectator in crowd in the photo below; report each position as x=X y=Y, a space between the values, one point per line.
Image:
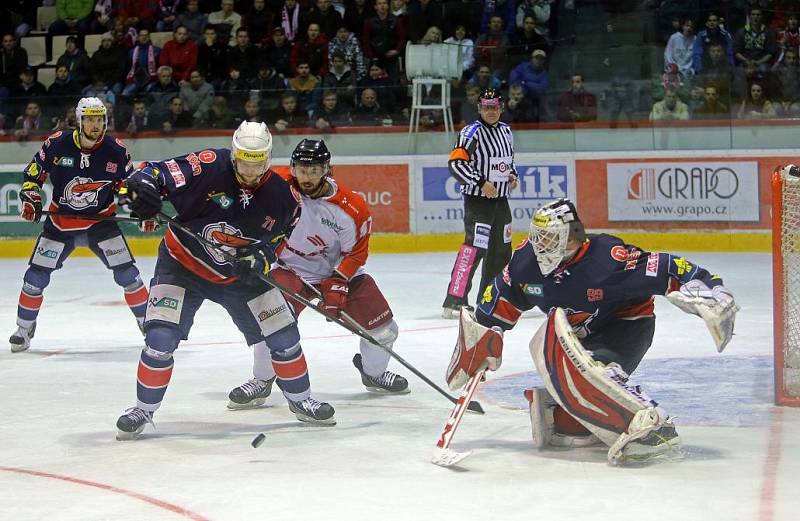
x=346 y=44
x=491 y=47
x=713 y=34
x=180 y=53
x=788 y=38
x=469 y=106
x=108 y=62
x=432 y=35
x=176 y=118
x=467 y=47
x=671 y=79
x=717 y=71
x=138 y=14
x=755 y=42
x=289 y=114
x=379 y=81
x=326 y=17
x=525 y=40
x=342 y=80
x=313 y=49
x=99 y=89
x=72 y=16
x=368 y=112
x=519 y=109
x=269 y=84
x=787 y=75
x=399 y=8
x=532 y=75
x=226 y=17
x=484 y=79
x=303 y=84
x=539 y=9
x=140 y=120
x=252 y=112
x=244 y=56
x=577 y=104
x=193 y=20
x=356 y=13
x=468 y=13
x=787 y=108
x=142 y=57
x=680 y=47
x=26 y=88
x=197 y=95
x=279 y=52
x=421 y=15
x=235 y=87
x=30 y=123
x=76 y=61
x=258 y=21
x=212 y=58
x=102 y=16
x=384 y=38
x=62 y=93
x=13 y=59
x=19 y=17
x=292 y=16
x=161 y=92
x=670 y=108
x=64 y=121
x=756 y=105
x=167 y=14
x=712 y=107
x=330 y=114
x=506 y=10
x=219 y=117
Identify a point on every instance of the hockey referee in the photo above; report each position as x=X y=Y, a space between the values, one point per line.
x=483 y=163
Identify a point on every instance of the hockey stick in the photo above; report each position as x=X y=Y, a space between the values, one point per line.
x=352 y=326
x=115 y=218
x=443 y=455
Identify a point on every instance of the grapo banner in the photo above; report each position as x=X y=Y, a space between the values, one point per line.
x=686 y=191
x=439 y=208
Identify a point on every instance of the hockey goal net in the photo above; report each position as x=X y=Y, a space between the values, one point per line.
x=786 y=285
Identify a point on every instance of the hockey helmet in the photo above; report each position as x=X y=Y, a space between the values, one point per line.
x=251 y=151
x=310 y=152
x=552 y=226
x=91 y=107
x=490 y=98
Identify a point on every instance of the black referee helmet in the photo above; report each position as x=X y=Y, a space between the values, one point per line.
x=490 y=98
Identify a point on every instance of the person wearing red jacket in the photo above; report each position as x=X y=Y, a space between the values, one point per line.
x=180 y=53
x=139 y=13
x=312 y=50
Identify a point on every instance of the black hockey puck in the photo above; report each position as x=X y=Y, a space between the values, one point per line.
x=258 y=440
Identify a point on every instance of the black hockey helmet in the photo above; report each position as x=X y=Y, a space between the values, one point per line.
x=311 y=152
x=490 y=98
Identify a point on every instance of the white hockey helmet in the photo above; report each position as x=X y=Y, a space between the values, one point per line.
x=91 y=107
x=551 y=228
x=251 y=151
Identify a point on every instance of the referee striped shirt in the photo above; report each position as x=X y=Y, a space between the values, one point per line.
x=483 y=153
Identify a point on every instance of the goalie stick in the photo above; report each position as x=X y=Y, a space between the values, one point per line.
x=443 y=455
x=348 y=324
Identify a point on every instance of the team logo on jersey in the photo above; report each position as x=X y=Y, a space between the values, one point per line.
x=82 y=193
x=228 y=238
x=207 y=156
x=580 y=321
x=64 y=161
x=619 y=253
x=331 y=224
x=164 y=302
x=652 y=265
x=222 y=199
x=537 y=290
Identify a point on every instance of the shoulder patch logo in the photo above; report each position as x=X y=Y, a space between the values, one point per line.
x=619 y=253
x=221 y=199
x=207 y=156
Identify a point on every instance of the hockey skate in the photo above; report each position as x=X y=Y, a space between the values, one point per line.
x=313 y=411
x=131 y=424
x=386 y=383
x=454 y=312
x=659 y=442
x=21 y=339
x=250 y=394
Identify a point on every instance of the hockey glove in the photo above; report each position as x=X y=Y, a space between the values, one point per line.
x=250 y=266
x=334 y=294
x=715 y=306
x=31 y=205
x=149 y=225
x=143 y=198
x=477 y=348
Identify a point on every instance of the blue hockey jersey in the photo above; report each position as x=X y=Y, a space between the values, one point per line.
x=606 y=280
x=84 y=181
x=203 y=189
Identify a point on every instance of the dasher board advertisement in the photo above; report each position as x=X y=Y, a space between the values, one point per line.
x=687 y=191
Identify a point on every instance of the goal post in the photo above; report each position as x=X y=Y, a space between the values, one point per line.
x=786 y=286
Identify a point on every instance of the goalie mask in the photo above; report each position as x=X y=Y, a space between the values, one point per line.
x=311 y=164
x=251 y=150
x=91 y=107
x=553 y=225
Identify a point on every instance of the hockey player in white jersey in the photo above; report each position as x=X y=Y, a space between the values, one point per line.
x=326 y=254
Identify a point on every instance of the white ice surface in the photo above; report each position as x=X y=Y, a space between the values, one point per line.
x=59 y=459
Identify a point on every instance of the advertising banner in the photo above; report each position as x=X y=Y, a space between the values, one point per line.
x=438 y=207
x=683 y=191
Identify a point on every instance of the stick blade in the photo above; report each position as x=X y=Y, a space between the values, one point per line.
x=475 y=406
x=448 y=457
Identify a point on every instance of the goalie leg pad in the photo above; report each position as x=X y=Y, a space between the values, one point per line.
x=551 y=425
x=475 y=347
x=595 y=395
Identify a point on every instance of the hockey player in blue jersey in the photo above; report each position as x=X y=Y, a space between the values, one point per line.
x=598 y=293
x=86 y=168
x=232 y=198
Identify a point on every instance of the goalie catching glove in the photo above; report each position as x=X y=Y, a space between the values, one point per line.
x=715 y=306
x=477 y=347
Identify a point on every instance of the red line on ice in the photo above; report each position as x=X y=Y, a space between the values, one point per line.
x=766 y=507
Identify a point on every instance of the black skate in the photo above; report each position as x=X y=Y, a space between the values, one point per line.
x=131 y=424
x=250 y=394
x=387 y=383
x=313 y=411
x=21 y=339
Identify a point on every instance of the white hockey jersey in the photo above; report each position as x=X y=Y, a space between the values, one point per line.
x=332 y=235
